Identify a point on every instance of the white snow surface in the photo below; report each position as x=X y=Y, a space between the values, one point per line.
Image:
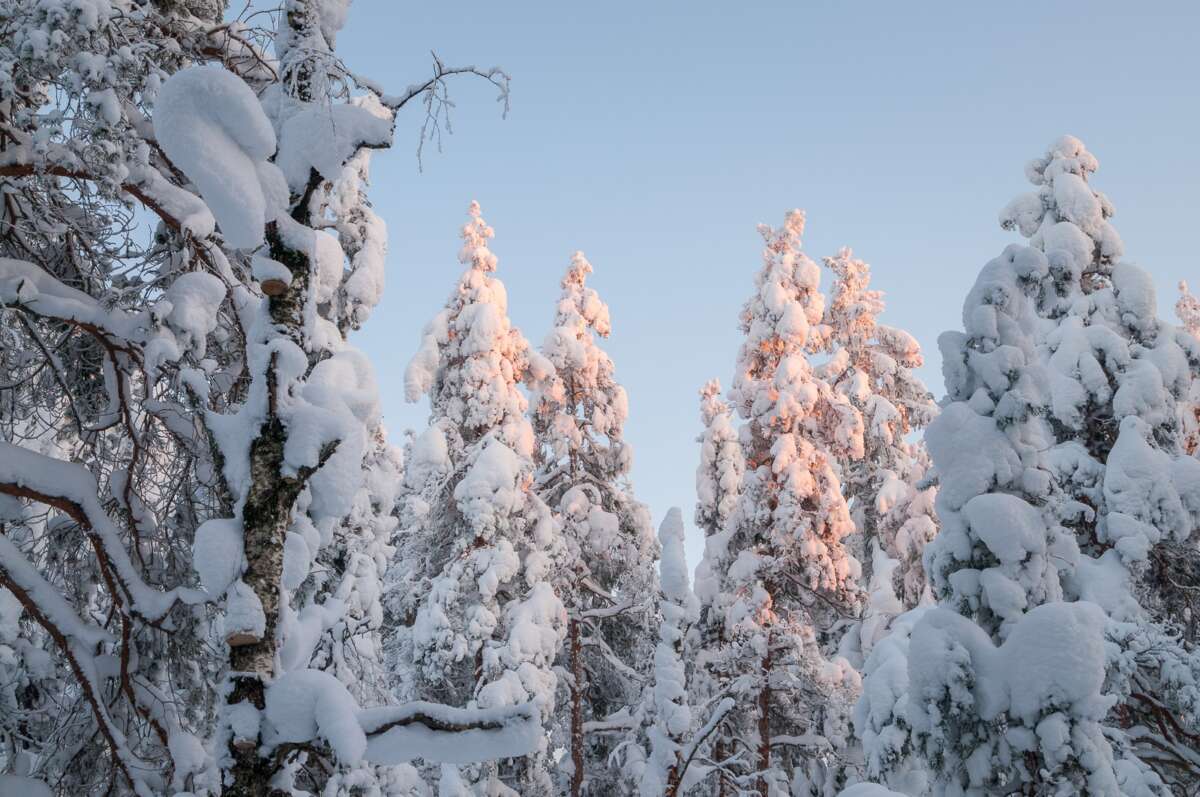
x=213 y=128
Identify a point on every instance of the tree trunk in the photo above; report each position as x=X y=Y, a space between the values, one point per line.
x=576 y=648
x=265 y=518
x=719 y=755
x=764 y=723
x=674 y=777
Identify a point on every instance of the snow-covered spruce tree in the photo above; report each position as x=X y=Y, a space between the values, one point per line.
x=605 y=578
x=186 y=407
x=1187 y=309
x=787 y=579
x=479 y=548
x=872 y=364
x=669 y=716
x=718 y=485
x=1058 y=659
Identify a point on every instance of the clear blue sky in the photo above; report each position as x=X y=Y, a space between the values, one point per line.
x=654 y=136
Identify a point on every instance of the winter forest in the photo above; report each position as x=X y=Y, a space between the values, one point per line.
x=220 y=574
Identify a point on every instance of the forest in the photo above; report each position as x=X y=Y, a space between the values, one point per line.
x=221 y=575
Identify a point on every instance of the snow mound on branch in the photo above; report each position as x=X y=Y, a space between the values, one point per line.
x=868 y=790
x=308 y=704
x=212 y=126
x=217 y=554
x=195 y=298
x=970 y=446
x=324 y=138
x=1054 y=658
x=395 y=738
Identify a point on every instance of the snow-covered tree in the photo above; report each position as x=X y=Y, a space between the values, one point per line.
x=605 y=577
x=718 y=485
x=871 y=365
x=670 y=717
x=195 y=491
x=786 y=580
x=478 y=547
x=1058 y=658
x=1187 y=309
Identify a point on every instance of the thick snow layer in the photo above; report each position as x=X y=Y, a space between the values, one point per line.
x=244 y=612
x=868 y=790
x=324 y=138
x=213 y=128
x=971 y=448
x=1053 y=658
x=195 y=298
x=304 y=705
x=19 y=786
x=393 y=737
x=217 y=554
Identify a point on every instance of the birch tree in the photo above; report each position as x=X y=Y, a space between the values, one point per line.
x=193 y=477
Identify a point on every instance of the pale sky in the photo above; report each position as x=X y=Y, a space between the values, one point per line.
x=654 y=136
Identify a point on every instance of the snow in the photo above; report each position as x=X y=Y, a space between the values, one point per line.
x=304 y=705
x=195 y=298
x=264 y=268
x=868 y=790
x=1053 y=657
x=244 y=615
x=969 y=445
x=22 y=283
x=325 y=138
x=393 y=739
x=20 y=786
x=669 y=702
x=217 y=554
x=212 y=127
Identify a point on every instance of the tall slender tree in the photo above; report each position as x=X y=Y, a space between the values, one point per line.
x=1187 y=309
x=872 y=364
x=718 y=486
x=479 y=548
x=606 y=577
x=789 y=579
x=670 y=716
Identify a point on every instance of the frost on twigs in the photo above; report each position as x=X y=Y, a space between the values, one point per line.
x=434 y=95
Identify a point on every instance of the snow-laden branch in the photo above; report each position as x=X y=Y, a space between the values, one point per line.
x=443 y=734
x=71 y=489
x=435 y=97
x=75 y=639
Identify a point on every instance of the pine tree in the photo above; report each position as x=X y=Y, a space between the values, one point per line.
x=789 y=580
x=871 y=365
x=606 y=576
x=1055 y=660
x=478 y=547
